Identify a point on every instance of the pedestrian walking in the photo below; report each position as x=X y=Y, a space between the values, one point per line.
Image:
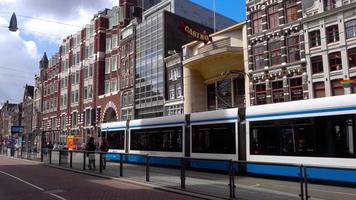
x=104 y=148
x=90 y=147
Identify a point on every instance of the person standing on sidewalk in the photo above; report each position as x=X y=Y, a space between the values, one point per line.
x=91 y=155
x=104 y=148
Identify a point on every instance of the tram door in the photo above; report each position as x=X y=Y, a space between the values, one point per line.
x=287 y=141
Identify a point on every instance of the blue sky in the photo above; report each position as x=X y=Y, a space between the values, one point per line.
x=235 y=9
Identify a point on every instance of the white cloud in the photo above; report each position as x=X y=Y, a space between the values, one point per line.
x=19 y=57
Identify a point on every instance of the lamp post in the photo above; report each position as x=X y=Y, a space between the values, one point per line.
x=13 y=23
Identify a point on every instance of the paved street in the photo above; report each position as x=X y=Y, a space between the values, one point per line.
x=28 y=180
x=215 y=184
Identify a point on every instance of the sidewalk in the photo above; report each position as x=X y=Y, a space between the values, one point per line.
x=214 y=185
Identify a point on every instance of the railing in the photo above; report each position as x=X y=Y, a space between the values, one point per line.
x=47 y=156
x=215 y=45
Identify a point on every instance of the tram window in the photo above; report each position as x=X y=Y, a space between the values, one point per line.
x=214 y=138
x=331 y=136
x=116 y=139
x=157 y=139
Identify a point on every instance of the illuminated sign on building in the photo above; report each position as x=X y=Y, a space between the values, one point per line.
x=202 y=36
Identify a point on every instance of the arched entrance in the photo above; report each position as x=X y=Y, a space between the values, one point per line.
x=110 y=115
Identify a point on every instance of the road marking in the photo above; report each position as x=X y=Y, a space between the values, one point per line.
x=59 y=197
x=32 y=185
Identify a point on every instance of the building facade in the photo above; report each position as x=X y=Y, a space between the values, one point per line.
x=330 y=43
x=157 y=34
x=213 y=71
x=174 y=104
x=26 y=115
x=276 y=52
x=10 y=116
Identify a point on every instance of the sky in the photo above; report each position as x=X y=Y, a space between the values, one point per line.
x=21 y=51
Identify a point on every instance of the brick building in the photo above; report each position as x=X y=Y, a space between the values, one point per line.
x=276 y=55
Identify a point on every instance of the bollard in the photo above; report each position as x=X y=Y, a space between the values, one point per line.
x=71 y=159
x=306 y=183
x=230 y=178
x=301 y=195
x=50 y=156
x=100 y=162
x=41 y=155
x=60 y=157
x=147 y=168
x=182 y=173
x=233 y=179
x=84 y=154
x=121 y=165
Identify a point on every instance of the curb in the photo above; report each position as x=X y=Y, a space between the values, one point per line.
x=156 y=187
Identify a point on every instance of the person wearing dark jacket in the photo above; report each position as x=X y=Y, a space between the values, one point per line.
x=104 y=148
x=90 y=146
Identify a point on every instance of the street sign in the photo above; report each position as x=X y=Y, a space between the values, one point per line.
x=16 y=129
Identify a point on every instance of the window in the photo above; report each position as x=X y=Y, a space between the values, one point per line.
x=116 y=139
x=335 y=61
x=107 y=65
x=352 y=57
x=74 y=120
x=317 y=64
x=90 y=70
x=77 y=76
x=86 y=72
x=167 y=139
x=174 y=110
x=329 y=4
x=211 y=97
x=179 y=90
x=172 y=94
x=114 y=63
x=257 y=22
x=126 y=114
x=113 y=86
x=114 y=41
x=127 y=99
x=63 y=122
x=273 y=16
x=277 y=91
x=259 y=57
x=296 y=89
x=91 y=49
x=293 y=48
x=260 y=93
x=87 y=117
x=292 y=10
x=328 y=136
x=350 y=29
x=319 y=89
x=336 y=88
x=107 y=86
x=108 y=44
x=214 y=138
x=275 y=51
x=332 y=33
x=314 y=38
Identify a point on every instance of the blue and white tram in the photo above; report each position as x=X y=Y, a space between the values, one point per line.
x=115 y=133
x=214 y=135
x=161 y=136
x=309 y=132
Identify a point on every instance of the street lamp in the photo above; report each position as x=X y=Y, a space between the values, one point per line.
x=13 y=23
